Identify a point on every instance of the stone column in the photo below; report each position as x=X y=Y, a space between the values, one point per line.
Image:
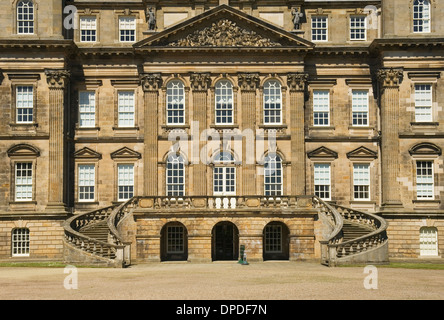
x=248 y=83
x=390 y=80
x=57 y=83
x=200 y=83
x=296 y=84
x=150 y=84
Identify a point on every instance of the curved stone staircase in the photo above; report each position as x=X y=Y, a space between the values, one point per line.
x=92 y=238
x=357 y=237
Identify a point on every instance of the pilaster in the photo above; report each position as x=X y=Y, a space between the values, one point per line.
x=150 y=84
x=296 y=84
x=248 y=84
x=200 y=83
x=58 y=81
x=390 y=80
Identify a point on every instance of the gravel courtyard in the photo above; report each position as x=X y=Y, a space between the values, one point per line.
x=220 y=281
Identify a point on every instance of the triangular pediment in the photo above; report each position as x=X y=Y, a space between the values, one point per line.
x=224 y=27
x=87 y=153
x=125 y=153
x=362 y=152
x=322 y=152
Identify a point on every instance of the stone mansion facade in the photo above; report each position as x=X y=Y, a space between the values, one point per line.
x=155 y=130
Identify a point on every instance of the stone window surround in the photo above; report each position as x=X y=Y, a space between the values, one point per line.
x=282 y=125
x=432 y=17
x=95 y=163
x=87 y=86
x=163 y=171
x=371 y=104
x=432 y=158
x=125 y=86
x=16 y=156
x=320 y=13
x=321 y=86
x=18 y=80
x=36 y=19
x=86 y=13
x=424 y=78
x=127 y=13
x=163 y=103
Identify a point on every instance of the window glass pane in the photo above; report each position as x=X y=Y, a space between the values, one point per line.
x=86 y=182
x=175 y=176
x=25 y=17
x=360 y=107
x=175 y=102
x=273 y=238
x=175 y=239
x=273 y=175
x=421 y=16
x=125 y=173
x=20 y=242
x=358 y=29
x=224 y=102
x=361 y=181
x=23 y=181
x=87 y=109
x=319 y=29
x=321 y=107
x=322 y=181
x=126 y=109
x=423 y=103
x=424 y=180
x=88 y=29
x=24 y=104
x=127 y=28
x=428 y=241
x=272 y=102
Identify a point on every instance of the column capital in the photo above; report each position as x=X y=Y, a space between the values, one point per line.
x=150 y=81
x=297 y=81
x=57 y=79
x=248 y=81
x=200 y=81
x=390 y=77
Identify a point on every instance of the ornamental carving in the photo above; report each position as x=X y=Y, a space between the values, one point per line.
x=224 y=33
x=248 y=81
x=390 y=77
x=57 y=79
x=200 y=81
x=150 y=81
x=297 y=81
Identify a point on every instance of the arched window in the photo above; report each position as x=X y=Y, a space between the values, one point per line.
x=224 y=174
x=273 y=175
x=175 y=176
x=20 y=242
x=428 y=241
x=421 y=16
x=224 y=102
x=175 y=102
x=272 y=102
x=25 y=17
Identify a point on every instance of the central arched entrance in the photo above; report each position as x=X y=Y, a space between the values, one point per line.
x=225 y=241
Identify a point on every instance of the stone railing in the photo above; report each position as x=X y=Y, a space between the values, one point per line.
x=115 y=252
x=371 y=247
x=225 y=202
x=335 y=221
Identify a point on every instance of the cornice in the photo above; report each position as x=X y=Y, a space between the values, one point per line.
x=36 y=44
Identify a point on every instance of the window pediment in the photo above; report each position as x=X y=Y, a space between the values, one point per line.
x=362 y=153
x=125 y=153
x=87 y=153
x=322 y=153
x=23 y=150
x=425 y=149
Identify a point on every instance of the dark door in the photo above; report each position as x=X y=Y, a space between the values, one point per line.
x=225 y=242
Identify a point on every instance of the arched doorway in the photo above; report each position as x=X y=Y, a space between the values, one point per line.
x=276 y=244
x=225 y=241
x=174 y=242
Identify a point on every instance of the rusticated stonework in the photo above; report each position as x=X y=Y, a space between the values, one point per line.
x=224 y=33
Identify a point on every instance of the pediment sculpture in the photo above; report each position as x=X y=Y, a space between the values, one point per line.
x=224 y=33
